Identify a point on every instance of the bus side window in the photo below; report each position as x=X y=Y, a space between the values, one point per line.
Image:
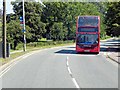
x=97 y=40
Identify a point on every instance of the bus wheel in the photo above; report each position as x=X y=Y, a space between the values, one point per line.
x=97 y=52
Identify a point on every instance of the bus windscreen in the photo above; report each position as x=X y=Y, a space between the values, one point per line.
x=87 y=29
x=87 y=38
x=88 y=21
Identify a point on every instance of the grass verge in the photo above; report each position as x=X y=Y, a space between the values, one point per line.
x=30 y=48
x=106 y=37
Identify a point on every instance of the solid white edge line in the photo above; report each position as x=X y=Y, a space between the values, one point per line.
x=7 y=69
x=21 y=57
x=27 y=55
x=4 y=72
x=10 y=66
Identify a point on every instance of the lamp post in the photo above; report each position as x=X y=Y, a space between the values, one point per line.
x=41 y=3
x=4 y=28
x=24 y=30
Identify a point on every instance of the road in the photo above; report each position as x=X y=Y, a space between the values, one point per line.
x=62 y=68
x=0 y=49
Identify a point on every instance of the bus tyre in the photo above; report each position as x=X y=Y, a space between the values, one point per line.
x=97 y=52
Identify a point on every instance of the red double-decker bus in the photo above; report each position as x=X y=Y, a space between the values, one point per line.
x=88 y=34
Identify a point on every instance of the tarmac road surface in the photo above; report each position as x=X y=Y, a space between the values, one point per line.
x=62 y=68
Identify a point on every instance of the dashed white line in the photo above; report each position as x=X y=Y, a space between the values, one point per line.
x=70 y=72
x=76 y=84
x=67 y=63
x=67 y=58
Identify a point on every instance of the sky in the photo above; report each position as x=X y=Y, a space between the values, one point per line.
x=9 y=8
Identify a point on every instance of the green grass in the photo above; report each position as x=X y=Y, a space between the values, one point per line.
x=106 y=37
x=0 y=31
x=12 y=56
x=34 y=46
x=42 y=39
x=42 y=44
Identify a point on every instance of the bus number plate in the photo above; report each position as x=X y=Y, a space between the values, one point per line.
x=86 y=50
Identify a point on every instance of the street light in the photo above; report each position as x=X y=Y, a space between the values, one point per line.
x=24 y=37
x=41 y=3
x=24 y=30
x=4 y=28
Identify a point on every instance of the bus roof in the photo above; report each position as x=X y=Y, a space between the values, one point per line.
x=88 y=21
x=88 y=16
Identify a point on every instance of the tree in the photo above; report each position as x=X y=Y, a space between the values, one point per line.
x=112 y=19
x=46 y=21
x=33 y=11
x=67 y=13
x=15 y=34
x=1 y=24
x=58 y=32
x=1 y=14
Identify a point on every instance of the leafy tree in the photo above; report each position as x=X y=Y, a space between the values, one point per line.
x=67 y=12
x=58 y=32
x=56 y=19
x=33 y=11
x=1 y=14
x=0 y=25
x=15 y=34
x=112 y=19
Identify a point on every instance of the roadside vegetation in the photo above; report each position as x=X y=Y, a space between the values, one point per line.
x=33 y=46
x=56 y=23
x=0 y=31
x=0 y=25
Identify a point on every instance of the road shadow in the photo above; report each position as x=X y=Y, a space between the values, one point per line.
x=70 y=47
x=111 y=46
x=0 y=49
x=66 y=51
x=109 y=49
x=113 y=40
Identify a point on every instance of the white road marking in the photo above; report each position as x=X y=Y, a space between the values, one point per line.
x=67 y=63
x=7 y=69
x=11 y=65
x=67 y=58
x=27 y=55
x=70 y=72
x=22 y=57
x=76 y=84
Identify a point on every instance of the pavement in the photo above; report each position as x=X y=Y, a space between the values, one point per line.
x=114 y=56
x=112 y=47
x=16 y=51
x=0 y=49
